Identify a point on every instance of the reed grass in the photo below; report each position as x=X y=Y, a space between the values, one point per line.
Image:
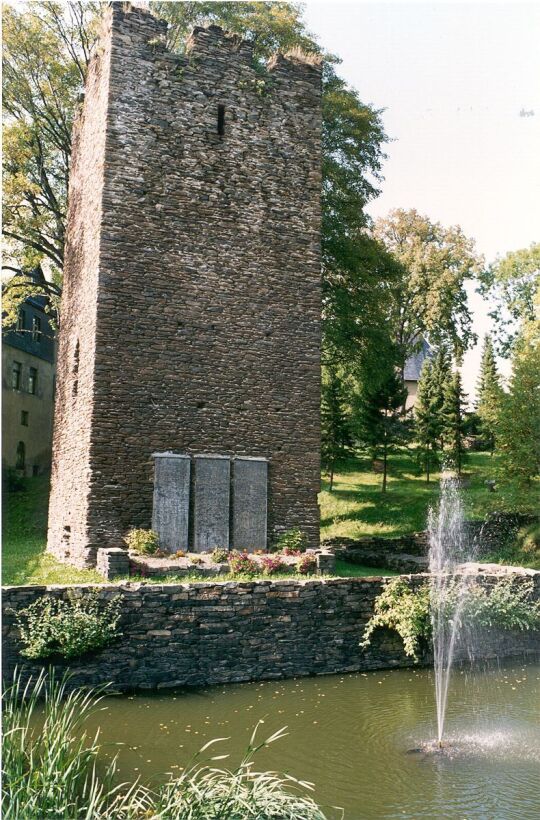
x=52 y=767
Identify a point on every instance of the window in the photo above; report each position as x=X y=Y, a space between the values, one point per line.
x=76 y=357
x=24 y=418
x=21 y=321
x=36 y=329
x=221 y=120
x=16 y=375
x=21 y=456
x=32 y=380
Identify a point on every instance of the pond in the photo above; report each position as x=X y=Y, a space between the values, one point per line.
x=363 y=739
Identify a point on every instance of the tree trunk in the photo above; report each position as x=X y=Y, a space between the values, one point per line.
x=385 y=461
x=331 y=478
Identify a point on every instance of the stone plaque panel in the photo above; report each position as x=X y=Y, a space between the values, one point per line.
x=211 y=502
x=250 y=498
x=170 y=512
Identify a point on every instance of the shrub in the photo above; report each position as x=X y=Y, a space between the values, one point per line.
x=292 y=542
x=405 y=611
x=54 y=772
x=306 y=564
x=12 y=481
x=507 y=605
x=180 y=554
x=144 y=541
x=52 y=626
x=528 y=544
x=272 y=564
x=241 y=563
x=290 y=552
x=220 y=556
x=196 y=560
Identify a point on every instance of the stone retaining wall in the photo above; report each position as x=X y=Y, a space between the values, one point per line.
x=205 y=633
x=406 y=554
x=414 y=544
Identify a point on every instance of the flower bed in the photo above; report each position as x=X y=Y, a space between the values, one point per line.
x=245 y=564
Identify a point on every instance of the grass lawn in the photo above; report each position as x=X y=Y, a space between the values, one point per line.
x=24 y=535
x=24 y=560
x=354 y=508
x=357 y=507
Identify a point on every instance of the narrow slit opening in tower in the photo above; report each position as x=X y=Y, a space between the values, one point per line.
x=221 y=120
x=76 y=357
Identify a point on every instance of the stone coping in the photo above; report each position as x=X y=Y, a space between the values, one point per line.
x=170 y=455
x=482 y=570
x=283 y=582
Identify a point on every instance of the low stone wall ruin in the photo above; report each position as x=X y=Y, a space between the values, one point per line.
x=408 y=553
x=222 y=632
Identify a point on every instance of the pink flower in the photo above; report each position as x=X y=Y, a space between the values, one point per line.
x=306 y=564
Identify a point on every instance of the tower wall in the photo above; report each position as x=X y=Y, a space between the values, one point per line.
x=192 y=279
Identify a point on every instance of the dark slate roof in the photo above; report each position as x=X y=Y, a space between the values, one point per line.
x=413 y=365
x=43 y=347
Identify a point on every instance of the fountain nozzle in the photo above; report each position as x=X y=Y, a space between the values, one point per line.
x=440 y=744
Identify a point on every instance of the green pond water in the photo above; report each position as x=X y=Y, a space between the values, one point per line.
x=364 y=740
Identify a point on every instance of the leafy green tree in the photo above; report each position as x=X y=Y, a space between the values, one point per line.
x=381 y=422
x=335 y=423
x=46 y=50
x=429 y=301
x=489 y=394
x=518 y=430
x=47 y=47
x=512 y=283
x=454 y=422
x=427 y=421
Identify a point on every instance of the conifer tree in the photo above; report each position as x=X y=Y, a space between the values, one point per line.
x=381 y=418
x=441 y=374
x=489 y=394
x=427 y=421
x=335 y=423
x=454 y=422
x=518 y=430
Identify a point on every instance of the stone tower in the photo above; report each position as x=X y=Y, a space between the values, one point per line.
x=192 y=298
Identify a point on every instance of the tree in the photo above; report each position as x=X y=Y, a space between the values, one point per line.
x=441 y=374
x=512 y=283
x=46 y=51
x=489 y=394
x=427 y=420
x=381 y=419
x=454 y=422
x=429 y=301
x=335 y=423
x=518 y=431
x=47 y=47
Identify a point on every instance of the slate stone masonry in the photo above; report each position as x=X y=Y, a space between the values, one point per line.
x=192 y=301
x=205 y=633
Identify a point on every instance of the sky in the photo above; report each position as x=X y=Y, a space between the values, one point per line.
x=460 y=85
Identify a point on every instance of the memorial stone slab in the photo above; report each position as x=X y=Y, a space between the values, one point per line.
x=211 y=502
x=250 y=498
x=170 y=512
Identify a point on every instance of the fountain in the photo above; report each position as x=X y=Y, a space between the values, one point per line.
x=448 y=548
